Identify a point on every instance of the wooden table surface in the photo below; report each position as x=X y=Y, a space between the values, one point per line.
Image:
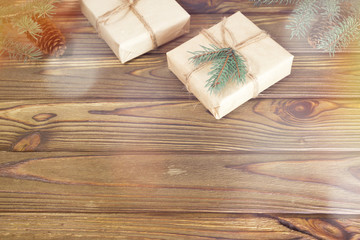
x=92 y=149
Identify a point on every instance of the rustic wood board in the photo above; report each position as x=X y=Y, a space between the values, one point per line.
x=218 y=183
x=148 y=77
x=175 y=226
x=180 y=125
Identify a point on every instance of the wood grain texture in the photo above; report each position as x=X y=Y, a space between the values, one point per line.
x=92 y=149
x=27 y=143
x=174 y=226
x=324 y=228
x=148 y=77
x=218 y=183
x=258 y=125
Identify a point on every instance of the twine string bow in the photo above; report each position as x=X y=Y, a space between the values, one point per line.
x=224 y=43
x=129 y=6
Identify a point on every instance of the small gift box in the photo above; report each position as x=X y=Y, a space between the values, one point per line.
x=221 y=85
x=134 y=27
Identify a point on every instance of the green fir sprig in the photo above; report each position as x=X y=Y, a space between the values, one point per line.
x=17 y=18
x=329 y=25
x=19 y=51
x=227 y=66
x=302 y=18
x=340 y=35
x=331 y=10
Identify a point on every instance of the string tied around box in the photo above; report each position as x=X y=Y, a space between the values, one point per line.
x=129 y=6
x=226 y=46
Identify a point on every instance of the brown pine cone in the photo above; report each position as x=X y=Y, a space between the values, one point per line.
x=51 y=40
x=320 y=27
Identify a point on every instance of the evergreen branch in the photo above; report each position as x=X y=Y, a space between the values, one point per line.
x=19 y=17
x=331 y=9
x=44 y=8
x=30 y=8
x=237 y=73
x=27 y=24
x=208 y=54
x=227 y=66
x=19 y=51
x=219 y=74
x=331 y=22
x=340 y=36
x=302 y=18
x=240 y=68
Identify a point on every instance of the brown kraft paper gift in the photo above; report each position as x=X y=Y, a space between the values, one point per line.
x=134 y=27
x=267 y=63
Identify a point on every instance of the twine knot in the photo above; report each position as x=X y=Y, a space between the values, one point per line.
x=130 y=6
x=224 y=43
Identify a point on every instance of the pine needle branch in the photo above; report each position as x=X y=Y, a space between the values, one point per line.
x=340 y=36
x=19 y=18
x=331 y=9
x=208 y=54
x=19 y=51
x=329 y=25
x=27 y=24
x=44 y=8
x=227 y=66
x=302 y=18
x=39 y=8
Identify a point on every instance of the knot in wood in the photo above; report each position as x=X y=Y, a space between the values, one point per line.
x=301 y=109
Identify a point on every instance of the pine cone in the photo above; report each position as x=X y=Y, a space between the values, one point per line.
x=320 y=27
x=51 y=41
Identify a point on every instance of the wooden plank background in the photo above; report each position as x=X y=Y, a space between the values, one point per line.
x=93 y=149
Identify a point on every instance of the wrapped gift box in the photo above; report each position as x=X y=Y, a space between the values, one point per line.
x=132 y=28
x=268 y=62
